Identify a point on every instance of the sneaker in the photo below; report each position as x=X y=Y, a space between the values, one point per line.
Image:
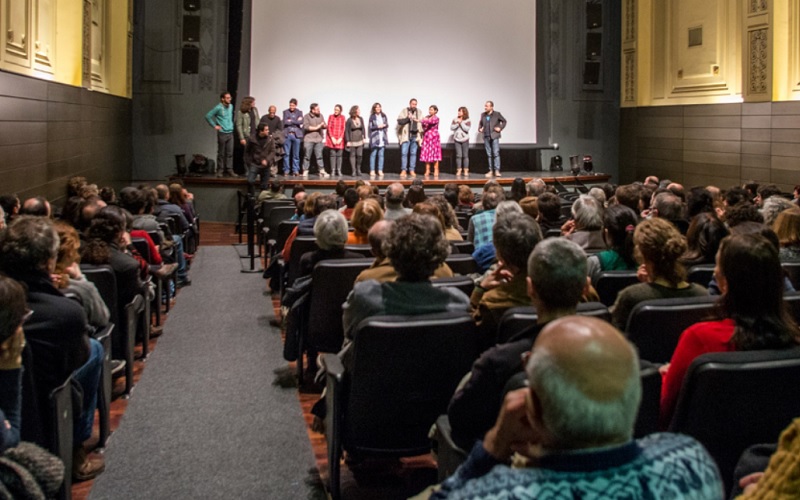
x=498 y=174
x=305 y=173
x=489 y=174
x=372 y=175
x=403 y=174
x=458 y=173
x=324 y=174
x=85 y=468
x=380 y=174
x=184 y=282
x=413 y=174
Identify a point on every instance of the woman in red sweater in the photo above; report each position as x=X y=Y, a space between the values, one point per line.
x=752 y=312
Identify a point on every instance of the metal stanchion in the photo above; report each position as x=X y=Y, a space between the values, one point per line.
x=251 y=218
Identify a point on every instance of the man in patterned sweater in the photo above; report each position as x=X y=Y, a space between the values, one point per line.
x=571 y=431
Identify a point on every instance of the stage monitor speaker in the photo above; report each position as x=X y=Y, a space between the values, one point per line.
x=191 y=28
x=190 y=60
x=191 y=5
x=591 y=73
x=594 y=14
x=594 y=45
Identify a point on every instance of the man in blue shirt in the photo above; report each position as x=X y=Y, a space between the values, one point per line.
x=293 y=136
x=221 y=118
x=492 y=123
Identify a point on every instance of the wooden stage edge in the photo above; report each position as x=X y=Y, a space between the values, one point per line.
x=474 y=180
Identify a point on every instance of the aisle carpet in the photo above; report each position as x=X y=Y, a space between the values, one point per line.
x=205 y=420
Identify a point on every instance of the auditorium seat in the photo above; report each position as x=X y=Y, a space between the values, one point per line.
x=655 y=326
x=732 y=400
x=270 y=227
x=61 y=438
x=300 y=246
x=466 y=247
x=552 y=233
x=649 y=408
x=405 y=369
x=462 y=263
x=701 y=274
x=463 y=283
x=520 y=318
x=610 y=283
x=792 y=270
x=364 y=250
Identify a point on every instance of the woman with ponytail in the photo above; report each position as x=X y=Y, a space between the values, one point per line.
x=658 y=246
x=619 y=222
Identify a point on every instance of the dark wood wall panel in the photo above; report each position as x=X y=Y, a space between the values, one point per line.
x=50 y=132
x=720 y=144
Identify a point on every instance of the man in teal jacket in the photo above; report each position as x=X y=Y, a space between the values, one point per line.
x=221 y=118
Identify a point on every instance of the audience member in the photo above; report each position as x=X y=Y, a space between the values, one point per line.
x=274 y=192
x=575 y=429
x=350 y=199
x=479 y=231
x=518 y=190
x=10 y=205
x=787 y=228
x=549 y=205
x=598 y=194
x=416 y=194
x=705 y=234
x=530 y=207
x=13 y=314
x=330 y=230
x=619 y=224
x=165 y=209
x=659 y=246
x=466 y=199
x=773 y=206
x=449 y=219
x=742 y=212
x=37 y=206
x=629 y=195
x=75 y=184
x=752 y=313
x=586 y=226
x=668 y=206
x=395 y=196
x=536 y=187
x=555 y=283
x=366 y=213
x=765 y=191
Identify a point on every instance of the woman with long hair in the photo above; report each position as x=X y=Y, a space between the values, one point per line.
x=787 y=227
x=378 y=138
x=658 y=246
x=431 y=142
x=703 y=238
x=354 y=134
x=751 y=313
x=460 y=127
x=334 y=139
x=619 y=223
x=365 y=215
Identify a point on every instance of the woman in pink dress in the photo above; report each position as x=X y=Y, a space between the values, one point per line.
x=431 y=142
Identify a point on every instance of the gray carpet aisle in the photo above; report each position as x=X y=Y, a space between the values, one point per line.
x=205 y=420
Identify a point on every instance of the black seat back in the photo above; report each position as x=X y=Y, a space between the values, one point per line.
x=461 y=263
x=365 y=250
x=655 y=326
x=277 y=215
x=331 y=282
x=701 y=274
x=105 y=281
x=267 y=206
x=300 y=245
x=285 y=229
x=463 y=283
x=792 y=270
x=649 y=408
x=62 y=415
x=732 y=400
x=465 y=247
x=610 y=283
x=405 y=370
x=518 y=319
x=143 y=248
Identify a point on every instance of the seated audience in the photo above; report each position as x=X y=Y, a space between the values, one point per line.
x=630 y=196
x=395 y=196
x=366 y=213
x=536 y=187
x=449 y=219
x=752 y=313
x=518 y=190
x=772 y=207
x=178 y=198
x=530 y=207
x=659 y=245
x=466 y=199
x=705 y=234
x=699 y=200
x=416 y=194
x=765 y=191
x=555 y=283
x=670 y=207
x=586 y=226
x=37 y=206
x=330 y=230
x=12 y=340
x=274 y=192
x=514 y=235
x=10 y=205
x=742 y=213
x=598 y=194
x=787 y=227
x=350 y=199
x=479 y=231
x=549 y=205
x=57 y=329
x=619 y=224
x=166 y=209
x=572 y=430
x=108 y=195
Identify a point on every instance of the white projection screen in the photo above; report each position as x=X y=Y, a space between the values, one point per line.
x=356 y=52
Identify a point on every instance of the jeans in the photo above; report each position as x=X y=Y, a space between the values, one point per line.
x=225 y=151
x=376 y=151
x=492 y=152
x=408 y=150
x=88 y=376
x=336 y=160
x=316 y=148
x=253 y=171
x=180 y=258
x=355 y=159
x=292 y=148
x=462 y=154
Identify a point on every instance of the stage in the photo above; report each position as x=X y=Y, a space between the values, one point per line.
x=216 y=197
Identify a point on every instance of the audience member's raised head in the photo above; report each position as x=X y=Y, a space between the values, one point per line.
x=448 y=214
x=297 y=188
x=787 y=227
x=765 y=191
x=364 y=191
x=12 y=310
x=176 y=194
x=507 y=206
x=341 y=187
x=89 y=210
x=530 y=206
x=557 y=275
x=736 y=195
x=518 y=189
x=108 y=226
x=661 y=245
x=37 y=206
x=416 y=247
x=309 y=203
x=574 y=407
x=465 y=196
x=71 y=210
x=619 y=224
x=162 y=190
x=677 y=190
x=703 y=238
x=599 y=195
x=29 y=246
x=132 y=199
x=629 y=195
x=588 y=213
x=395 y=195
x=350 y=198
x=515 y=235
x=742 y=212
x=426 y=207
x=549 y=205
x=68 y=251
x=416 y=194
x=668 y=206
x=379 y=233
x=699 y=200
x=773 y=206
x=330 y=230
x=651 y=180
x=536 y=187
x=490 y=200
x=11 y=206
x=324 y=202
x=366 y=213
x=75 y=184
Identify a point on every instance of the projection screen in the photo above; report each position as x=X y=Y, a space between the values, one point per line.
x=449 y=53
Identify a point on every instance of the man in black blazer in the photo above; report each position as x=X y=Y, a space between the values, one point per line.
x=492 y=123
x=557 y=278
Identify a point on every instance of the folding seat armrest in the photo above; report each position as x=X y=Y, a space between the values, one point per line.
x=333 y=366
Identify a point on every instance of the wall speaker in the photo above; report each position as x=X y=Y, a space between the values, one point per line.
x=591 y=73
x=594 y=45
x=191 y=5
x=191 y=28
x=190 y=60
x=594 y=15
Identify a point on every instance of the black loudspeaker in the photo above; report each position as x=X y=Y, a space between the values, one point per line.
x=191 y=5
x=191 y=28
x=594 y=14
x=594 y=45
x=190 y=60
x=591 y=73
x=556 y=163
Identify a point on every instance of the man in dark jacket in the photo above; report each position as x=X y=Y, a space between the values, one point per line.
x=259 y=155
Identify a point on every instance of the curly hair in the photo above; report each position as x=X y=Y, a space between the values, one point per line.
x=416 y=247
x=69 y=246
x=27 y=245
x=426 y=207
x=659 y=243
x=366 y=213
x=107 y=225
x=448 y=214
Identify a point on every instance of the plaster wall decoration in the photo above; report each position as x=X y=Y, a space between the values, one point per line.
x=554 y=86
x=87 y=44
x=757 y=6
x=758 y=47
x=208 y=21
x=45 y=29
x=630 y=20
x=630 y=77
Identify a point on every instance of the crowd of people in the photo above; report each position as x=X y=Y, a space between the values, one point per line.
x=534 y=247
x=51 y=310
x=271 y=142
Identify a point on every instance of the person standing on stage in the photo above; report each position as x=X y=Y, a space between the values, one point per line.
x=431 y=141
x=492 y=123
x=409 y=138
x=221 y=118
x=245 y=121
x=259 y=155
x=293 y=136
x=334 y=139
x=314 y=127
x=378 y=125
x=460 y=127
x=275 y=125
x=354 y=139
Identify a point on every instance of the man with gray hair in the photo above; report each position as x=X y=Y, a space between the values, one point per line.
x=536 y=187
x=668 y=206
x=395 y=195
x=556 y=280
x=586 y=226
x=575 y=428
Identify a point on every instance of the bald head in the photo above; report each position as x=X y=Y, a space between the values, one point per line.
x=378 y=233
x=585 y=376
